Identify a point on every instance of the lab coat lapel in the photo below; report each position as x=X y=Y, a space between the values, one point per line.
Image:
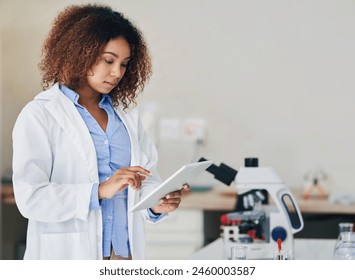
x=68 y=117
x=131 y=123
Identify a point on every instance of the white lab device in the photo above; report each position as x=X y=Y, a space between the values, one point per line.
x=279 y=219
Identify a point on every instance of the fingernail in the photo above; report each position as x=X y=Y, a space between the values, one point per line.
x=167 y=196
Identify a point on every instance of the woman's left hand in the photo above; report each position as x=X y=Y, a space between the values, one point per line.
x=171 y=201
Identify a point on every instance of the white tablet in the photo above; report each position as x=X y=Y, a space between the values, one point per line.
x=175 y=182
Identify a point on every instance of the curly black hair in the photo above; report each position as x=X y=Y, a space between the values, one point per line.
x=76 y=41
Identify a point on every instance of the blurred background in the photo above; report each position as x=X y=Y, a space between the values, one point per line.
x=232 y=79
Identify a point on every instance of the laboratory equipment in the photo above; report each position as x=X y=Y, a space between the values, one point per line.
x=315 y=185
x=345 y=235
x=346 y=248
x=239 y=252
x=262 y=223
x=279 y=253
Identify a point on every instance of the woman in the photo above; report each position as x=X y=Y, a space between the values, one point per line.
x=81 y=157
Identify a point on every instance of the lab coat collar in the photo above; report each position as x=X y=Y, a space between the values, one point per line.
x=64 y=112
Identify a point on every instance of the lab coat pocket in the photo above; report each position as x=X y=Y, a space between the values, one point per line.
x=65 y=246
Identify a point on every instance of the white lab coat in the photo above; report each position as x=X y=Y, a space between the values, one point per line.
x=54 y=169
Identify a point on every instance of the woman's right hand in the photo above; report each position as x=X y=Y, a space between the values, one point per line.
x=123 y=177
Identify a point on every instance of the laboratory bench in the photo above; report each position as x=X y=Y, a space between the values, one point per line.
x=320 y=216
x=193 y=226
x=7 y=194
x=13 y=225
x=222 y=198
x=304 y=249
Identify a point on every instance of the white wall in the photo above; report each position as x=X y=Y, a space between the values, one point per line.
x=273 y=79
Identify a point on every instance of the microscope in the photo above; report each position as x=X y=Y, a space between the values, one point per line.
x=266 y=211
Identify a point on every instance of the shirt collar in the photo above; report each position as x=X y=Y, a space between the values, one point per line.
x=105 y=99
x=71 y=94
x=74 y=97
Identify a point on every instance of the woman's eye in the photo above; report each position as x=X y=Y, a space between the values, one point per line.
x=124 y=65
x=109 y=61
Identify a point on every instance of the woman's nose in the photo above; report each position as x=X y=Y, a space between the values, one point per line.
x=115 y=72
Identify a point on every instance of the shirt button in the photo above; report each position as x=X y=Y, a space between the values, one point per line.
x=106 y=142
x=109 y=217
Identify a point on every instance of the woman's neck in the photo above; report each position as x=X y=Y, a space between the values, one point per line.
x=88 y=97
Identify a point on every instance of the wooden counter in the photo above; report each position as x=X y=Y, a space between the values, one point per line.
x=223 y=199
x=214 y=200
x=7 y=194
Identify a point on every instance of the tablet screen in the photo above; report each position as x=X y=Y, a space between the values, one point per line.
x=186 y=174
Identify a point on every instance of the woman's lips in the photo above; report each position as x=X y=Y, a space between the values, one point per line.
x=111 y=84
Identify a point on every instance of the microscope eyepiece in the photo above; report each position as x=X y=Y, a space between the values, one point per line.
x=251 y=162
x=222 y=173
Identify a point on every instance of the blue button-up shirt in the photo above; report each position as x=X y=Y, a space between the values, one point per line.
x=113 y=151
